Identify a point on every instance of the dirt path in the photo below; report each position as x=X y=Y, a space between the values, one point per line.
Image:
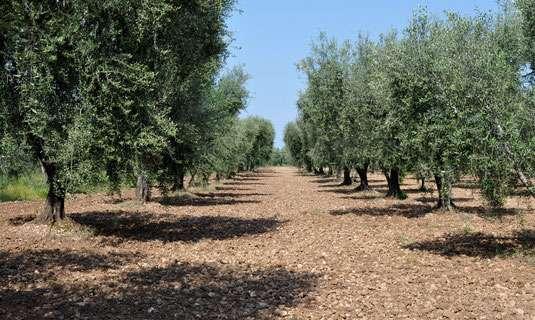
x=275 y=244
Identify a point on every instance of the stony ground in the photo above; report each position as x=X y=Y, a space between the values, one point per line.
x=276 y=244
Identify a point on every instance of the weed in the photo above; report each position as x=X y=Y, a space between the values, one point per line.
x=31 y=186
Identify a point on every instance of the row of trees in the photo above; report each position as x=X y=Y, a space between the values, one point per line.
x=122 y=88
x=446 y=97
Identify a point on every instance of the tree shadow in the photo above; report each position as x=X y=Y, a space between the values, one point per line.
x=486 y=212
x=230 y=194
x=404 y=210
x=404 y=190
x=365 y=195
x=22 y=219
x=233 y=189
x=177 y=291
x=435 y=200
x=325 y=180
x=378 y=186
x=180 y=200
x=36 y=265
x=239 y=183
x=338 y=191
x=477 y=244
x=370 y=181
x=169 y=228
x=330 y=185
x=246 y=178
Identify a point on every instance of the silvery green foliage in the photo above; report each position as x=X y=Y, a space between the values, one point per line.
x=445 y=95
x=322 y=102
x=114 y=86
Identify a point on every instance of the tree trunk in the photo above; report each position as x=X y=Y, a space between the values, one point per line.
x=205 y=180
x=54 y=210
x=444 y=194
x=347 y=177
x=394 y=189
x=192 y=181
x=518 y=169
x=142 y=189
x=422 y=186
x=179 y=183
x=363 y=176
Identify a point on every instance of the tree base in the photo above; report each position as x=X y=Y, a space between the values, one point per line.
x=396 y=195
x=143 y=189
x=445 y=206
x=53 y=212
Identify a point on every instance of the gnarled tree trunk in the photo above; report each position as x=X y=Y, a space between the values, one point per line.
x=422 y=185
x=142 y=189
x=444 y=194
x=394 y=189
x=363 y=176
x=347 y=177
x=54 y=210
x=178 y=183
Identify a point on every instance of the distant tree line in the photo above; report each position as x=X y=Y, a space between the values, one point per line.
x=444 y=98
x=124 y=88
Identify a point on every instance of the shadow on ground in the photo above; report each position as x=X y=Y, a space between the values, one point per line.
x=36 y=265
x=175 y=291
x=325 y=180
x=430 y=199
x=404 y=210
x=233 y=189
x=240 y=183
x=478 y=244
x=22 y=219
x=230 y=194
x=169 y=228
x=203 y=201
x=246 y=178
x=338 y=191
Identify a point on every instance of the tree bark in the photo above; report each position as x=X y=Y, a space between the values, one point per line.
x=444 y=194
x=180 y=180
x=347 y=177
x=192 y=182
x=394 y=189
x=205 y=180
x=422 y=186
x=54 y=210
x=142 y=189
x=363 y=176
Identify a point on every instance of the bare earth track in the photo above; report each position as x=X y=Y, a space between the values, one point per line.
x=276 y=244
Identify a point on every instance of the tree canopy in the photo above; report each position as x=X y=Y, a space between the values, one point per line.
x=443 y=98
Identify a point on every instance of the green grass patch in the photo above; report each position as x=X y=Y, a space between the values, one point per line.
x=30 y=186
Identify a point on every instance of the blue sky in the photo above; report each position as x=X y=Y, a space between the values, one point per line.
x=271 y=36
